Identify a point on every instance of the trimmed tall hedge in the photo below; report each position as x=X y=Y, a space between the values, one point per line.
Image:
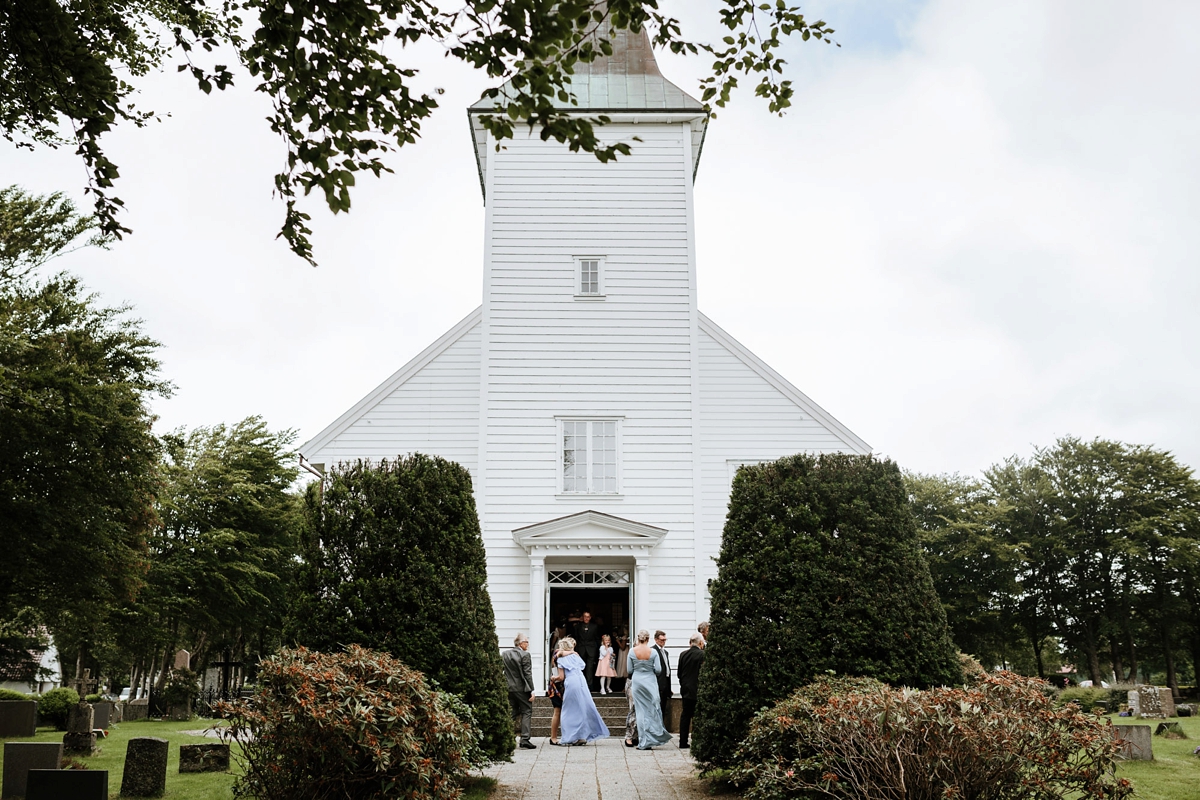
x=820 y=570
x=394 y=561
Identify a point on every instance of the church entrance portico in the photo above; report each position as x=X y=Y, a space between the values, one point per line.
x=581 y=559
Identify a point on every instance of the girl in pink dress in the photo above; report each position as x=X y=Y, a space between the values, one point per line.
x=605 y=669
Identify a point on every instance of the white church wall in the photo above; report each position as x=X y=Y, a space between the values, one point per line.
x=433 y=410
x=745 y=419
x=550 y=355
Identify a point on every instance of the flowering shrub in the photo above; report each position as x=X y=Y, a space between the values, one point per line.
x=999 y=738
x=355 y=724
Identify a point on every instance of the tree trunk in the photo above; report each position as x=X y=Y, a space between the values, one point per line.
x=1169 y=658
x=1093 y=656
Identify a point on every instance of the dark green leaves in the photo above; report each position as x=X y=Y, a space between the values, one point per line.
x=342 y=100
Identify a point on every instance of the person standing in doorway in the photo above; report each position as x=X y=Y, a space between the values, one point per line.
x=689 y=681
x=605 y=667
x=518 y=672
x=664 y=677
x=587 y=646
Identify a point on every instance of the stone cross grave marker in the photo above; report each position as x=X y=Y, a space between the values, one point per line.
x=85 y=684
x=81 y=734
x=145 y=768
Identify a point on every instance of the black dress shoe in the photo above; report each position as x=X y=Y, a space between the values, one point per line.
x=630 y=743
x=528 y=746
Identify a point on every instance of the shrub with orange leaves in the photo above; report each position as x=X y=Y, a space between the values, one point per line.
x=999 y=738
x=356 y=724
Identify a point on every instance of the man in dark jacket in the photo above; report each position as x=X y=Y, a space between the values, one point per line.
x=587 y=646
x=689 y=680
x=664 y=677
x=518 y=673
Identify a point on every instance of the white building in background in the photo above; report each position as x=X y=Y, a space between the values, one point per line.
x=601 y=414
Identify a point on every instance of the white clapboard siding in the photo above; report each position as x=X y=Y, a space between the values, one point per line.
x=549 y=355
x=750 y=414
x=431 y=405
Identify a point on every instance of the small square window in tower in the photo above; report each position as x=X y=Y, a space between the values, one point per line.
x=589 y=456
x=588 y=272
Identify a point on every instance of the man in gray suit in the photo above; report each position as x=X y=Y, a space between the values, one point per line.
x=518 y=671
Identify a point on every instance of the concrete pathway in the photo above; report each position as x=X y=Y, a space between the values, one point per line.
x=603 y=770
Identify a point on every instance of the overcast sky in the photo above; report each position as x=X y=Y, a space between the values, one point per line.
x=976 y=231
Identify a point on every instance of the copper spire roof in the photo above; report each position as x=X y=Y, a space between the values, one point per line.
x=628 y=80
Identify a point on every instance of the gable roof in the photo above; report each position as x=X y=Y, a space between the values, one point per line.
x=589 y=530
x=415 y=365
x=781 y=384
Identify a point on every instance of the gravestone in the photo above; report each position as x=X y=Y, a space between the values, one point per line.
x=60 y=784
x=1155 y=703
x=81 y=733
x=1170 y=729
x=1136 y=742
x=18 y=717
x=20 y=757
x=183 y=660
x=118 y=714
x=137 y=709
x=102 y=715
x=84 y=685
x=145 y=772
x=1135 y=706
x=203 y=758
x=1185 y=710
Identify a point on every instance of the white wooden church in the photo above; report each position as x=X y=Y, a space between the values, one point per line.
x=602 y=416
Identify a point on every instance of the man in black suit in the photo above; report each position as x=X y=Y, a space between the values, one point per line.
x=587 y=645
x=518 y=673
x=689 y=680
x=664 y=677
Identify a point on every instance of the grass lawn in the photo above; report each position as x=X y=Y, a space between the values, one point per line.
x=1174 y=774
x=189 y=786
x=111 y=756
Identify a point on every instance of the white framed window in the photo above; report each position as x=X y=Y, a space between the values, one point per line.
x=589 y=277
x=589 y=456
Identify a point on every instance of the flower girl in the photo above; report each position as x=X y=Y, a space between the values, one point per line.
x=606 y=669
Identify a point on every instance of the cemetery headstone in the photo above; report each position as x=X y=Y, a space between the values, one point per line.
x=20 y=757
x=1171 y=730
x=1150 y=702
x=58 y=784
x=203 y=758
x=118 y=714
x=145 y=772
x=1136 y=742
x=18 y=717
x=102 y=715
x=81 y=733
x=1185 y=710
x=183 y=660
x=1135 y=706
x=137 y=709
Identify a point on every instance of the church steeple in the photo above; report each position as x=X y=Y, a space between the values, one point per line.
x=628 y=82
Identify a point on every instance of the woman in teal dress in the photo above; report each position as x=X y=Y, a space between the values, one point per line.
x=643 y=667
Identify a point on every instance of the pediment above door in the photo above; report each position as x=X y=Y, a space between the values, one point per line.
x=588 y=532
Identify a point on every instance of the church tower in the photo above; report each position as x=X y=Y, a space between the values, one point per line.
x=588 y=384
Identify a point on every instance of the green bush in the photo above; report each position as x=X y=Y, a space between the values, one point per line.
x=182 y=687
x=94 y=698
x=1086 y=697
x=394 y=561
x=820 y=570
x=999 y=737
x=9 y=694
x=54 y=705
x=355 y=724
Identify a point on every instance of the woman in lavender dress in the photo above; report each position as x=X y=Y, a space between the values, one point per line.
x=580 y=722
